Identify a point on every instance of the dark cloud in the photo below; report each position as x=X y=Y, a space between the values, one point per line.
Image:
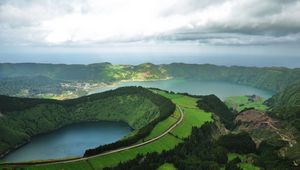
x=251 y=22
x=230 y=22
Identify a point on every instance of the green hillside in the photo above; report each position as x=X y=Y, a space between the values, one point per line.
x=70 y=81
x=207 y=148
x=286 y=104
x=269 y=78
x=193 y=117
x=102 y=72
x=240 y=103
x=192 y=144
x=22 y=118
x=212 y=103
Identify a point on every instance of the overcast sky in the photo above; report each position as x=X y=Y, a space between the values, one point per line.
x=267 y=26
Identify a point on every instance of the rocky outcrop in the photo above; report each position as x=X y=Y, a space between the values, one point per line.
x=253 y=121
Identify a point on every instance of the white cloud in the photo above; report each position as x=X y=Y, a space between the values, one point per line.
x=57 y=22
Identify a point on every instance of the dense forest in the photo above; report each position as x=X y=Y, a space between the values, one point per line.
x=286 y=104
x=212 y=103
x=22 y=118
x=30 y=86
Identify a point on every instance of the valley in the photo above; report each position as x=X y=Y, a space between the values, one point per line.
x=149 y=85
x=71 y=81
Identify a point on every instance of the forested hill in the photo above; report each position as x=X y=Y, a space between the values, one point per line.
x=22 y=118
x=103 y=72
x=270 y=78
x=212 y=103
x=286 y=104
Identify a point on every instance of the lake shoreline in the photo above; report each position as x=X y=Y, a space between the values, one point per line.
x=231 y=88
x=117 y=84
x=18 y=146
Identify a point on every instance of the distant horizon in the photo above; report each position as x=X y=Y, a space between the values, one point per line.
x=229 y=32
x=247 y=61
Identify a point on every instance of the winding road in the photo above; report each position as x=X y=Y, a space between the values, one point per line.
x=49 y=162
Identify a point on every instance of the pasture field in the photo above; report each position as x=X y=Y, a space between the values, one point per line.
x=243 y=165
x=239 y=103
x=167 y=166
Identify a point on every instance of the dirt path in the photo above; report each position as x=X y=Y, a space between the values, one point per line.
x=49 y=162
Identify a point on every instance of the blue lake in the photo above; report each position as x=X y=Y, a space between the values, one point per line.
x=197 y=87
x=69 y=141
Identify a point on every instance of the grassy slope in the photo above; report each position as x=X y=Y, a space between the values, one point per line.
x=286 y=104
x=243 y=165
x=162 y=126
x=239 y=103
x=167 y=166
x=193 y=117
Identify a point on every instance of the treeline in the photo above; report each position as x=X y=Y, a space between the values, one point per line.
x=166 y=108
x=201 y=151
x=238 y=143
x=22 y=118
x=8 y=104
x=212 y=103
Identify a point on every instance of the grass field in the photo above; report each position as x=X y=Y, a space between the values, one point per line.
x=193 y=116
x=167 y=166
x=164 y=125
x=243 y=165
x=241 y=102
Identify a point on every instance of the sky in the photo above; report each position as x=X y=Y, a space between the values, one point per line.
x=139 y=28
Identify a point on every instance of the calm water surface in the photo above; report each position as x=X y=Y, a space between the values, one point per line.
x=69 y=141
x=197 y=87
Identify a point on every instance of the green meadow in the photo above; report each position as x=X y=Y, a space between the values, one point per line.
x=244 y=165
x=239 y=103
x=167 y=166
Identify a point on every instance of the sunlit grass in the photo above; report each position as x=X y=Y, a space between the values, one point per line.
x=167 y=166
x=239 y=103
